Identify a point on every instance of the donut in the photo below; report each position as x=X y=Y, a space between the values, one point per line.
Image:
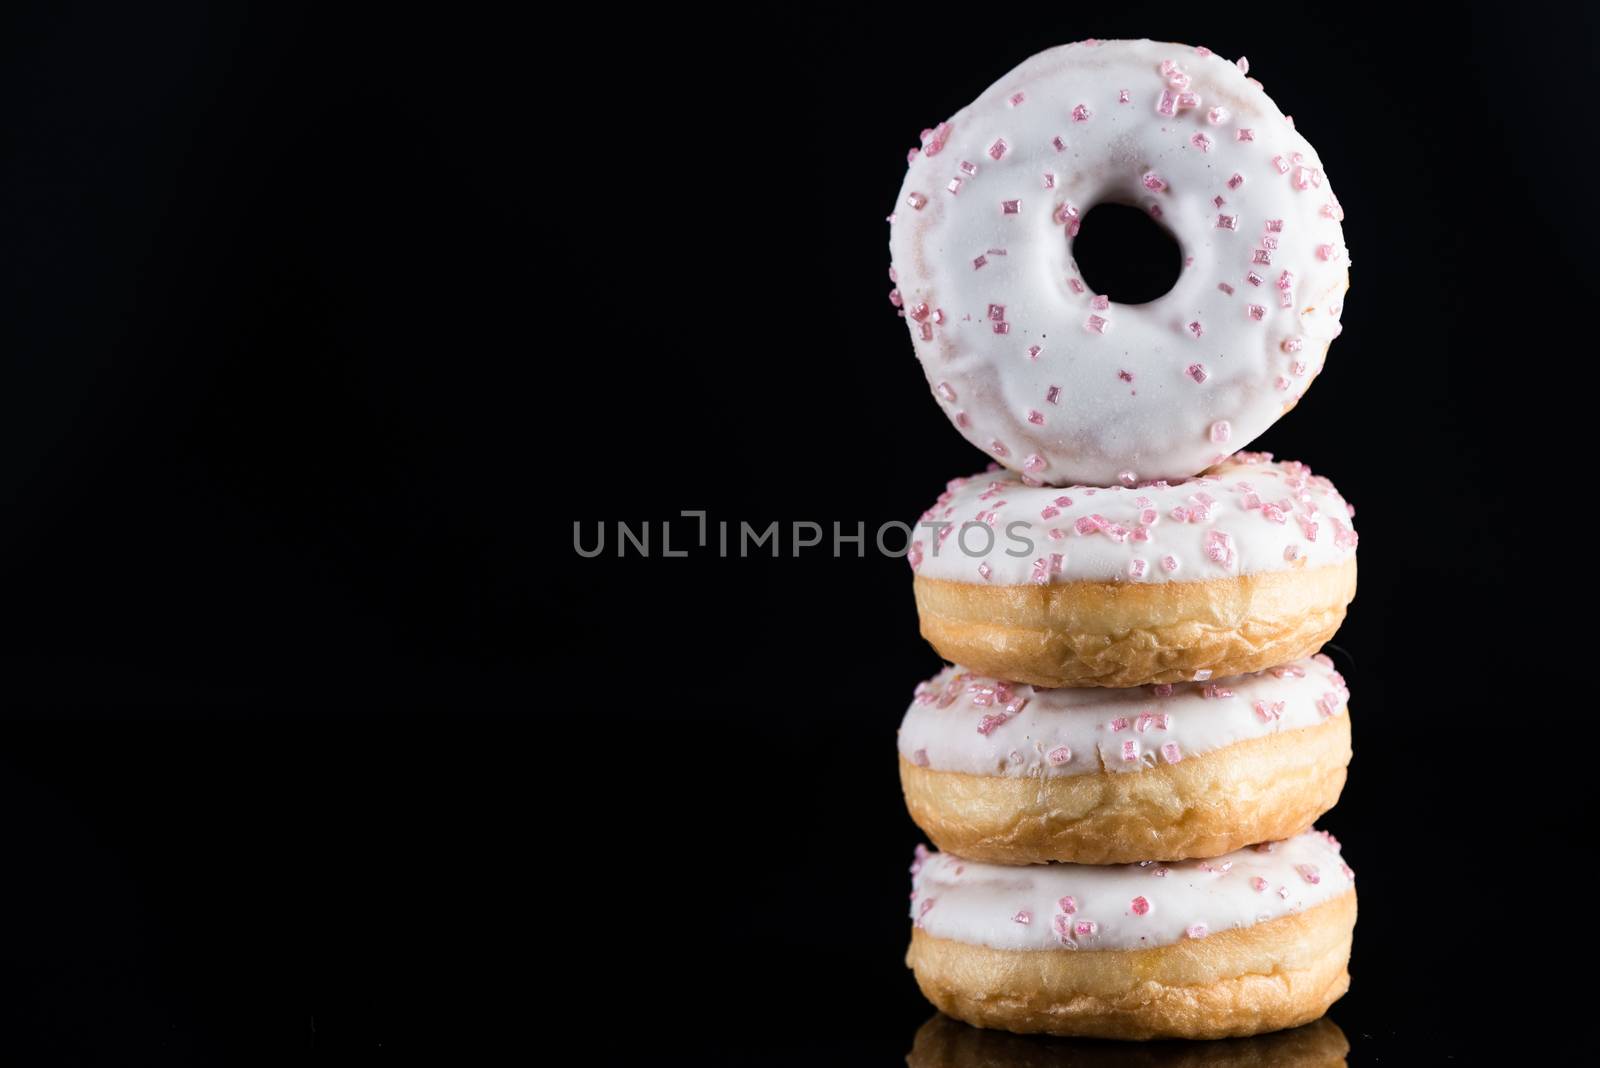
x=1017 y=775
x=1246 y=567
x=946 y=1043
x=1255 y=940
x=1050 y=378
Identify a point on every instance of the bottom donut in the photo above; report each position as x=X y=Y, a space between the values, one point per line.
x=946 y=1043
x=1253 y=941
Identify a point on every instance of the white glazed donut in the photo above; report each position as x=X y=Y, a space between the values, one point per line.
x=1246 y=567
x=1011 y=774
x=1041 y=373
x=1252 y=941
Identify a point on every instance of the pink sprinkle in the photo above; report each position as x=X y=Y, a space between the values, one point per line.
x=1065 y=213
x=1097 y=324
x=1130 y=751
x=1227 y=222
x=917 y=201
x=1061 y=146
x=1068 y=905
x=979 y=261
x=1086 y=927
x=1291 y=553
x=1140 y=905
x=963 y=421
x=1127 y=478
x=954 y=186
x=1195 y=930
x=1053 y=395
x=1201 y=141
x=1010 y=207
x=1017 y=98
x=998 y=149
x=926 y=330
x=1171 y=752
x=1217 y=116
x=1188 y=100
x=1196 y=329
x=1154 y=182
x=1023 y=917
x=1033 y=352
x=1100 y=303
x=1305 y=177
x=918 y=312
x=938 y=316
x=1243 y=64
x=1059 y=755
x=1326 y=252
x=1162 y=689
x=1080 y=113
x=1254 y=279
x=1221 y=431
x=1257 y=312
x=1002 y=328
x=945 y=391
x=1168 y=103
x=1219 y=550
x=1169 y=564
x=1279 y=164
x=927 y=904
x=1244 y=134
x=1267 y=711
x=1258 y=883
x=1309 y=873
x=1034 y=462
x=1236 y=181
x=1178 y=80
x=1201 y=50
x=896 y=299
x=1261 y=255
x=1328 y=704
x=997 y=313
x=1049 y=180
x=1117 y=723
x=1126 y=376
x=985 y=571
x=1197 y=372
x=1123 y=96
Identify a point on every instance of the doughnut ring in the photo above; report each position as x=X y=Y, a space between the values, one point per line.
x=1051 y=379
x=1013 y=775
x=1246 y=567
x=1252 y=941
x=946 y=1043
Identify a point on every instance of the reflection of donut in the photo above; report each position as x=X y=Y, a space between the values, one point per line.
x=1248 y=566
x=1048 y=377
x=946 y=1043
x=1252 y=941
x=1015 y=775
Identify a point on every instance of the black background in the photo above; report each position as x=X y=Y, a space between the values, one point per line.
x=319 y=336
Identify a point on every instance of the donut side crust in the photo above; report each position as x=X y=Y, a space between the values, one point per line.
x=1245 y=981
x=1122 y=634
x=1257 y=790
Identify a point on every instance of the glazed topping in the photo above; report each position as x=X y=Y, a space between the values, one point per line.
x=968 y=723
x=1054 y=380
x=1249 y=514
x=1123 y=906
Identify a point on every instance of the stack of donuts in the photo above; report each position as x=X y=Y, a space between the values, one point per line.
x=1122 y=766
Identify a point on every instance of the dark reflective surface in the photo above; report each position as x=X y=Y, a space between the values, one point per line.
x=946 y=1043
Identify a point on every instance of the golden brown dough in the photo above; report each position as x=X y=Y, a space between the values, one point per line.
x=1281 y=973
x=1129 y=633
x=1257 y=790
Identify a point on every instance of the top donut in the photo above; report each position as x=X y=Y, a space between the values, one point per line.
x=1051 y=379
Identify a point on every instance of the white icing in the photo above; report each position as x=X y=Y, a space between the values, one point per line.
x=981 y=904
x=969 y=723
x=1101 y=427
x=1262 y=516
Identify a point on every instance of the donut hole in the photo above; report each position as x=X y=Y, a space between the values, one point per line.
x=1125 y=255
